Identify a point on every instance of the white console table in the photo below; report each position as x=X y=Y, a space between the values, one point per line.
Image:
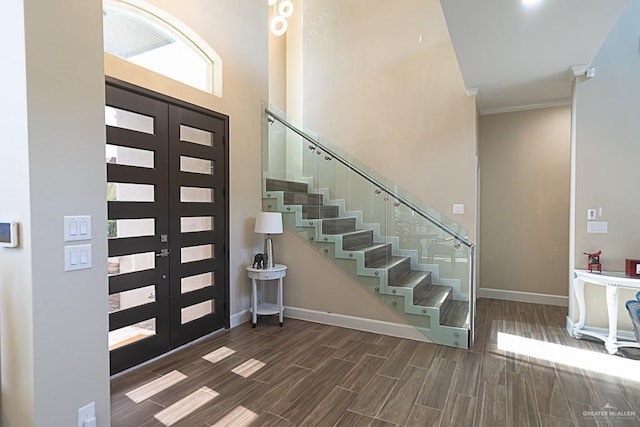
x=263 y=308
x=612 y=281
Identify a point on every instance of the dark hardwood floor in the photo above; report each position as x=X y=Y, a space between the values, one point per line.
x=525 y=370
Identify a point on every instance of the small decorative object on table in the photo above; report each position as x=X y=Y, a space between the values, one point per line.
x=632 y=267
x=258 y=261
x=593 y=261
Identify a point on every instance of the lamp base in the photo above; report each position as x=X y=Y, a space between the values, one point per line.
x=268 y=252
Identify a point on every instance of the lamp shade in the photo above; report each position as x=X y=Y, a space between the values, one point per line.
x=269 y=223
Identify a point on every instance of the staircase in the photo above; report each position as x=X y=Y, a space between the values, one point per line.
x=433 y=304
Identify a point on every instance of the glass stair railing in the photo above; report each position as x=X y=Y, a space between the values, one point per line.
x=416 y=260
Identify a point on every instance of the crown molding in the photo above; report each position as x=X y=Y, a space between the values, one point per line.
x=577 y=70
x=472 y=91
x=555 y=103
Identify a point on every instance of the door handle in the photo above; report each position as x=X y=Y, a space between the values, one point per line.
x=163 y=253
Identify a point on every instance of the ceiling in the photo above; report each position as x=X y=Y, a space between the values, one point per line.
x=518 y=55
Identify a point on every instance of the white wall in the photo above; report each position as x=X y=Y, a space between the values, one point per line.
x=53 y=335
x=54 y=323
x=607 y=150
x=16 y=311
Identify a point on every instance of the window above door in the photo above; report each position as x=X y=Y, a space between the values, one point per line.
x=151 y=38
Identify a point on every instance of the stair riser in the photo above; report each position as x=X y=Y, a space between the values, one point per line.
x=357 y=240
x=338 y=226
x=302 y=199
x=316 y=212
x=281 y=185
x=421 y=289
x=398 y=270
x=376 y=255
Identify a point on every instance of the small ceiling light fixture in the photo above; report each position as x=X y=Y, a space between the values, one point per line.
x=530 y=2
x=281 y=12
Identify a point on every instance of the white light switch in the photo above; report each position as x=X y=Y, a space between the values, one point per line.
x=597 y=227
x=458 y=209
x=77 y=228
x=77 y=257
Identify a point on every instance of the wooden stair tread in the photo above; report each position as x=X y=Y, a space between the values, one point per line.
x=434 y=296
x=456 y=314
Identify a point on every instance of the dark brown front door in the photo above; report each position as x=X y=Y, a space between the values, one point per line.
x=168 y=267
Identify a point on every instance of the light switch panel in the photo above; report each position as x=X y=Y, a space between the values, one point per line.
x=77 y=227
x=77 y=257
x=458 y=208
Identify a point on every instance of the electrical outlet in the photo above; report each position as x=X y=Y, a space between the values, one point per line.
x=87 y=415
x=591 y=214
x=458 y=209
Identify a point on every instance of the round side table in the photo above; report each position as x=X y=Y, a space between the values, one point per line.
x=264 y=308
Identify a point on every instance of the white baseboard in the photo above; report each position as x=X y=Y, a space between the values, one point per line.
x=358 y=323
x=529 y=297
x=239 y=318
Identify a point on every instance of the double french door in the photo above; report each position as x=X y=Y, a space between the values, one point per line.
x=167 y=223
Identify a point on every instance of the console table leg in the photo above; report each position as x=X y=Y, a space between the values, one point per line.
x=579 y=289
x=280 y=303
x=254 y=294
x=612 y=311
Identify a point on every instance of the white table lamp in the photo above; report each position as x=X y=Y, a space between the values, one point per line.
x=268 y=223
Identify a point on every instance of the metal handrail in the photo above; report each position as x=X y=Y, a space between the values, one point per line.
x=372 y=180
x=400 y=199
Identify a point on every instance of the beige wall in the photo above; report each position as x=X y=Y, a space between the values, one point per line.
x=607 y=148
x=238 y=32
x=316 y=283
x=524 y=200
x=382 y=82
x=53 y=324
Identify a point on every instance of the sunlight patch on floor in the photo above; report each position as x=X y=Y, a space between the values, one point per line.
x=156 y=386
x=239 y=417
x=219 y=354
x=579 y=358
x=183 y=407
x=248 y=368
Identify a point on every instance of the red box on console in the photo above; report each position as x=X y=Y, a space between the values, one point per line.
x=632 y=267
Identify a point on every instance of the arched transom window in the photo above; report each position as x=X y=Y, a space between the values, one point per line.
x=149 y=37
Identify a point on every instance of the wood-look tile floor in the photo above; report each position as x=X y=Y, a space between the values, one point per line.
x=311 y=374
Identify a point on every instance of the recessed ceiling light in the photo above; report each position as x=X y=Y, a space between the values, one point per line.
x=528 y=2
